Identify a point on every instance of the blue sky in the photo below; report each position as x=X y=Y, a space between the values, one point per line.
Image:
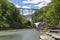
x=32 y=4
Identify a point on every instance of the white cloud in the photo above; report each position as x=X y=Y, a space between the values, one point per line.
x=40 y=5
x=32 y=1
x=26 y=7
x=44 y=3
x=17 y=5
x=47 y=1
x=26 y=14
x=9 y=0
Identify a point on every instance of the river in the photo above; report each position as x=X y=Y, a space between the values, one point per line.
x=21 y=34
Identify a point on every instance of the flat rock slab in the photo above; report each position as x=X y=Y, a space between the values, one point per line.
x=54 y=35
x=45 y=37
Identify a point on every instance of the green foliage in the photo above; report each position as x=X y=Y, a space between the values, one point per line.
x=10 y=15
x=50 y=14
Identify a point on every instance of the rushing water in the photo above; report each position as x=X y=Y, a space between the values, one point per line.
x=22 y=34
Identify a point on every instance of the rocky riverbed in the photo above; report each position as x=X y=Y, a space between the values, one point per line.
x=46 y=37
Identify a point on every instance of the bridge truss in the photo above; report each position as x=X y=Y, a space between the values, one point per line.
x=27 y=12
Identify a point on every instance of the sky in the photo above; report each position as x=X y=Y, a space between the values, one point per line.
x=31 y=4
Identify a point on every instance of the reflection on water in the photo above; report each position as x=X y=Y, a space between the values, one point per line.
x=23 y=34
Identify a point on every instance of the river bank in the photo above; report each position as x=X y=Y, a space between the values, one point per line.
x=6 y=28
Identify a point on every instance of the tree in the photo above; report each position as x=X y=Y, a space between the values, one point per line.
x=50 y=14
x=10 y=15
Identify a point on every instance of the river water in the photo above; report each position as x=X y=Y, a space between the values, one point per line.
x=22 y=34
